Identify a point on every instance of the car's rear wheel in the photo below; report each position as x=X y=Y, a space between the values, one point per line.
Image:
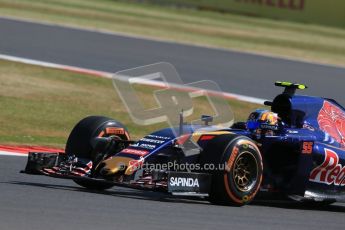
x=239 y=169
x=79 y=142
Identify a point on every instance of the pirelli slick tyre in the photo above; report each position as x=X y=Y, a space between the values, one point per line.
x=79 y=141
x=238 y=174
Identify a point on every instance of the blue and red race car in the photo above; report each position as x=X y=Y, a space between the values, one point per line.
x=296 y=149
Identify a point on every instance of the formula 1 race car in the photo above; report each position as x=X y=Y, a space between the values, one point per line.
x=296 y=149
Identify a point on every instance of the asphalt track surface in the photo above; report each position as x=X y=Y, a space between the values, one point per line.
x=37 y=202
x=235 y=72
x=41 y=203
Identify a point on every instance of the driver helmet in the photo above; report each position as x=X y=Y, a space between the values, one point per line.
x=263 y=122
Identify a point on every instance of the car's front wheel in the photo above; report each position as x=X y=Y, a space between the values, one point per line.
x=79 y=142
x=238 y=169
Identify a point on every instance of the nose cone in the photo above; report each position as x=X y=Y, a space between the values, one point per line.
x=115 y=165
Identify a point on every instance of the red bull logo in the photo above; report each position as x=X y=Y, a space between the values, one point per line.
x=331 y=120
x=330 y=171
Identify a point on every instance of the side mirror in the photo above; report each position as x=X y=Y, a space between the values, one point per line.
x=268 y=103
x=207 y=119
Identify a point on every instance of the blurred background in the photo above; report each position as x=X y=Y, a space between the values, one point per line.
x=243 y=45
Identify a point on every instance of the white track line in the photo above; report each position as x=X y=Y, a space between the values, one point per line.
x=6 y=153
x=110 y=75
x=55 y=66
x=143 y=37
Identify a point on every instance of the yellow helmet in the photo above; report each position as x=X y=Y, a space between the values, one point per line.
x=262 y=119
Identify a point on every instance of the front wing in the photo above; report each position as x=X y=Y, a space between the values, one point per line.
x=176 y=183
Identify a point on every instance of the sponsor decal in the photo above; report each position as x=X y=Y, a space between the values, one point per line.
x=152 y=140
x=115 y=131
x=269 y=127
x=135 y=151
x=147 y=146
x=330 y=171
x=182 y=139
x=134 y=165
x=292 y=131
x=308 y=126
x=158 y=137
x=184 y=182
x=231 y=160
x=207 y=137
x=307 y=147
x=331 y=120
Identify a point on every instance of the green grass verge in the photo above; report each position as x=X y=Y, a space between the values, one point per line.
x=294 y=40
x=40 y=106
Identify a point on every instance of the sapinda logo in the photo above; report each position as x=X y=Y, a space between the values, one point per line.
x=330 y=171
x=184 y=182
